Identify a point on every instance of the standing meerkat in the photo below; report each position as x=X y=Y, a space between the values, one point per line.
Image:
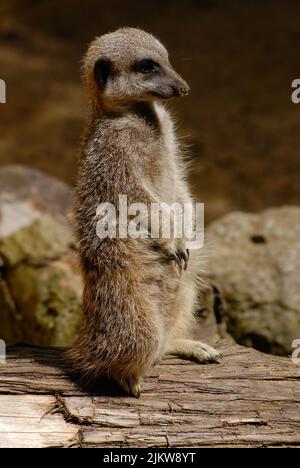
x=138 y=303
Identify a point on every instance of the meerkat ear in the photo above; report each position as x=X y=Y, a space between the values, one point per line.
x=102 y=70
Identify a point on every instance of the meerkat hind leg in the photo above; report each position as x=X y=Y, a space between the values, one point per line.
x=194 y=351
x=131 y=385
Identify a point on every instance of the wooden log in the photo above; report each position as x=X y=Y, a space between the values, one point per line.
x=249 y=400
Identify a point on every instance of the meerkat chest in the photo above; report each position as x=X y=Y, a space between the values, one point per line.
x=167 y=131
x=169 y=151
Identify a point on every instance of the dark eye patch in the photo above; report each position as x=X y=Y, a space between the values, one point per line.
x=146 y=66
x=102 y=70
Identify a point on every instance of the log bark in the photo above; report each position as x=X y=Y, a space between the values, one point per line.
x=249 y=400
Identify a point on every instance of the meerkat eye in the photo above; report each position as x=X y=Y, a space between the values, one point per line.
x=146 y=66
x=102 y=70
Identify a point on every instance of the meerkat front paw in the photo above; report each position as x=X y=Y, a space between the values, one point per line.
x=194 y=351
x=175 y=252
x=180 y=254
x=181 y=258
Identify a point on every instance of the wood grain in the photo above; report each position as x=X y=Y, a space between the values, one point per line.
x=249 y=400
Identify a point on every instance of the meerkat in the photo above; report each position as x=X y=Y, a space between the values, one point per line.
x=138 y=303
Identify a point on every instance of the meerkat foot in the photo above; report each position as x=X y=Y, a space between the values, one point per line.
x=131 y=385
x=194 y=351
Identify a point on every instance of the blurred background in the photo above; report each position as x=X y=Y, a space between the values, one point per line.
x=239 y=124
x=239 y=56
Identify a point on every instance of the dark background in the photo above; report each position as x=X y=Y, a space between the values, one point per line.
x=239 y=57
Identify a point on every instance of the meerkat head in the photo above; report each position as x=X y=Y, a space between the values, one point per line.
x=128 y=66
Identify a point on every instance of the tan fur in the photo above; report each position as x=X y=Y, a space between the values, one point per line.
x=137 y=303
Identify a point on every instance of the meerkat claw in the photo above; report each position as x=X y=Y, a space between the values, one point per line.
x=175 y=257
x=181 y=258
x=186 y=256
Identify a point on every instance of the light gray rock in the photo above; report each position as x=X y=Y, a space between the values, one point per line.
x=255 y=260
x=40 y=283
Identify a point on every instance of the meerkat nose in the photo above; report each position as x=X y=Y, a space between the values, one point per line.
x=181 y=90
x=184 y=90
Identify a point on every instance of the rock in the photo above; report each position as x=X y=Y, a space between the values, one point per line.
x=209 y=326
x=40 y=283
x=255 y=260
x=45 y=194
x=42 y=240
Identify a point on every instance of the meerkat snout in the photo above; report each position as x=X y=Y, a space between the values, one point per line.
x=169 y=84
x=140 y=73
